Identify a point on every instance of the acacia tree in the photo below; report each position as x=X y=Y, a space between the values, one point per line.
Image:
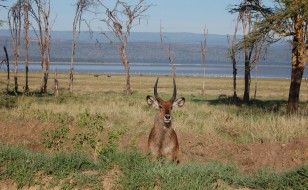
x=15 y=22
x=41 y=15
x=245 y=17
x=120 y=20
x=287 y=19
x=248 y=16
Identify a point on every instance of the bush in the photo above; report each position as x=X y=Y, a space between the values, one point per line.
x=8 y=102
x=55 y=138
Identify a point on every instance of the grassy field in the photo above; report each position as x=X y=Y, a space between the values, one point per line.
x=96 y=137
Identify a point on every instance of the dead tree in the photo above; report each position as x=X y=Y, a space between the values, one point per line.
x=170 y=54
x=120 y=20
x=81 y=5
x=203 y=50
x=26 y=7
x=169 y=51
x=14 y=18
x=8 y=68
x=56 y=83
x=232 y=51
x=260 y=50
x=41 y=15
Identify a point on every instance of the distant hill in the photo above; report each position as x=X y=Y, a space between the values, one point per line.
x=144 y=47
x=169 y=37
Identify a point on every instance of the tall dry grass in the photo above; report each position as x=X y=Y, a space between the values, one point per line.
x=263 y=121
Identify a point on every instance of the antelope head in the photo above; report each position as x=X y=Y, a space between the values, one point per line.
x=165 y=107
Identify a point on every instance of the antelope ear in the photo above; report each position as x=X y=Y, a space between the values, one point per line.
x=178 y=103
x=152 y=102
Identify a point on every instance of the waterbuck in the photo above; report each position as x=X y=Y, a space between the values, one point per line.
x=163 y=141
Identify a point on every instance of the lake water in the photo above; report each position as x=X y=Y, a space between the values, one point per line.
x=211 y=70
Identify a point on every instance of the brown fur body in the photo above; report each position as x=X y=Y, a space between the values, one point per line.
x=163 y=141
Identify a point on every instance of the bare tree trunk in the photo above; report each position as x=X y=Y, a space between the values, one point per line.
x=44 y=77
x=26 y=27
x=232 y=54
x=45 y=46
x=170 y=57
x=41 y=15
x=73 y=52
x=298 y=65
x=18 y=51
x=16 y=77
x=72 y=61
x=299 y=60
x=234 y=100
x=168 y=51
x=203 y=50
x=56 y=83
x=14 y=18
x=296 y=79
x=126 y=66
x=127 y=76
x=246 y=17
x=45 y=74
x=71 y=77
x=247 y=76
x=256 y=82
x=8 y=68
x=81 y=5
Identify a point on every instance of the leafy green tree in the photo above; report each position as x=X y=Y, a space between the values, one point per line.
x=286 y=19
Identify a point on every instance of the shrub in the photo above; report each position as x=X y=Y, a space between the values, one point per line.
x=54 y=139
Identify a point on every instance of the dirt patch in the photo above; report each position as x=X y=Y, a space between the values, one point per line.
x=109 y=181
x=279 y=156
x=201 y=148
x=250 y=157
x=7 y=185
x=27 y=134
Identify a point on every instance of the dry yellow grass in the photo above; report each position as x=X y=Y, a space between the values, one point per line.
x=103 y=95
x=87 y=83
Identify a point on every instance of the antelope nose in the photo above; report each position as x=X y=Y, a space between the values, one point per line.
x=167 y=117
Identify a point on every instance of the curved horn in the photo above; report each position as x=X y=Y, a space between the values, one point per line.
x=174 y=91
x=155 y=91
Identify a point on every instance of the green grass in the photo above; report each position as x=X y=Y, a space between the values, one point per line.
x=24 y=166
x=88 y=124
x=74 y=170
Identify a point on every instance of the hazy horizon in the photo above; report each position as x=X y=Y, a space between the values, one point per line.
x=175 y=16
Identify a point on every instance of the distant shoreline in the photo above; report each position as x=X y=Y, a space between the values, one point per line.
x=164 y=69
x=152 y=64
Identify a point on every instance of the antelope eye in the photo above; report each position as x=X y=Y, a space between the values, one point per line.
x=160 y=106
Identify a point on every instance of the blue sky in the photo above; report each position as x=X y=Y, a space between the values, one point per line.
x=176 y=16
